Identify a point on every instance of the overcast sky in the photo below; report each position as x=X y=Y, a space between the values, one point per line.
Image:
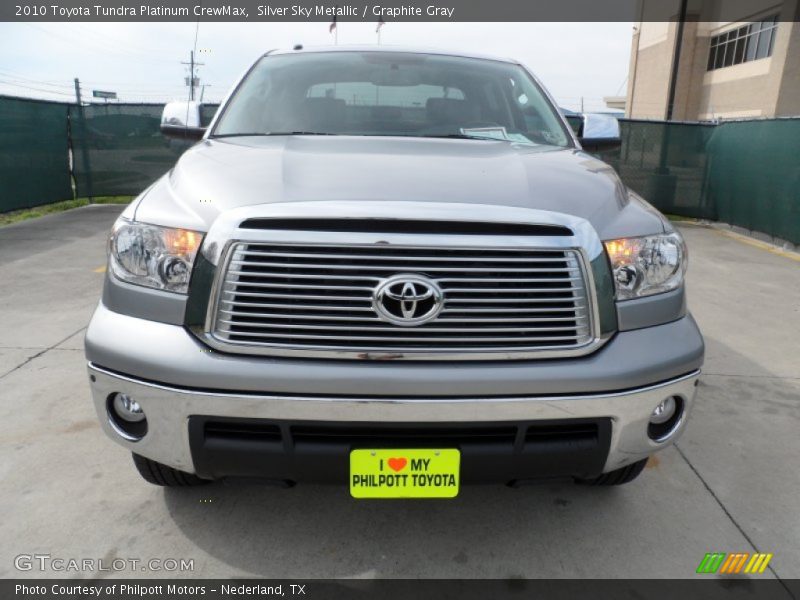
x=141 y=62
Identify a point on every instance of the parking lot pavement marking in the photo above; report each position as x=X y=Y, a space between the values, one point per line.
x=100 y=269
x=759 y=244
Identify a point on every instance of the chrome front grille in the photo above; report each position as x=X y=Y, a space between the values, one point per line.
x=317 y=300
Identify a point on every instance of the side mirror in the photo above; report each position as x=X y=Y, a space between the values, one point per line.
x=599 y=132
x=182 y=120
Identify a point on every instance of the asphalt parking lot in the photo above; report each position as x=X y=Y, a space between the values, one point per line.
x=730 y=485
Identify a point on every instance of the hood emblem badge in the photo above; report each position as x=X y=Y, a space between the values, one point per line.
x=407 y=300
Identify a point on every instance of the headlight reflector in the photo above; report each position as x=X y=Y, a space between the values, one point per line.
x=647 y=265
x=153 y=256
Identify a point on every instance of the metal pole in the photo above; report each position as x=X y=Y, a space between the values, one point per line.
x=191 y=75
x=676 y=59
x=84 y=142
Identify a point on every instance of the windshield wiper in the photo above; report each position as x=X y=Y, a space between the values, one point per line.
x=458 y=136
x=270 y=133
x=485 y=138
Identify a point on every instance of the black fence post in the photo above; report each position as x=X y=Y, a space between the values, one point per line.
x=84 y=141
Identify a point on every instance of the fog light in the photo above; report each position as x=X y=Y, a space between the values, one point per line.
x=665 y=418
x=127 y=408
x=664 y=411
x=126 y=417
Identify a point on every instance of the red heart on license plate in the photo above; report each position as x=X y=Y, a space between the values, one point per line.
x=397 y=464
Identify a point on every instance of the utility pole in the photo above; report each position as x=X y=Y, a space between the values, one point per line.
x=192 y=79
x=87 y=171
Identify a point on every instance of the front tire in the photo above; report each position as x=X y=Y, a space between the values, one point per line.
x=158 y=474
x=619 y=476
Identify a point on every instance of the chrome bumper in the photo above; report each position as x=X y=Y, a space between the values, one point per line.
x=168 y=410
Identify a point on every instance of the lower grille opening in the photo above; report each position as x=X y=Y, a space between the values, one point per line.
x=572 y=432
x=319 y=452
x=576 y=435
x=242 y=430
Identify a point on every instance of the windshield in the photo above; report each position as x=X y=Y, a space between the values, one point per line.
x=391 y=94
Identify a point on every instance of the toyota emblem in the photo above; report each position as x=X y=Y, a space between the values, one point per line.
x=407 y=300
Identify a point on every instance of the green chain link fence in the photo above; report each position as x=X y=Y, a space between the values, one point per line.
x=34 y=156
x=119 y=149
x=745 y=173
x=753 y=179
x=666 y=163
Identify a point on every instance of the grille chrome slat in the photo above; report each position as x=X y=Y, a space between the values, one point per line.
x=509 y=279
x=396 y=338
x=318 y=299
x=301 y=286
x=484 y=311
x=421 y=330
x=302 y=275
x=368 y=290
x=319 y=307
x=548 y=299
x=439 y=259
x=498 y=291
x=395 y=268
x=376 y=319
x=300 y=296
x=292 y=275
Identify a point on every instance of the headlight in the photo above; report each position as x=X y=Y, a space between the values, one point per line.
x=647 y=265
x=153 y=256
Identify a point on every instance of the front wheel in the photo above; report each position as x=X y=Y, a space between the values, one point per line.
x=617 y=477
x=158 y=474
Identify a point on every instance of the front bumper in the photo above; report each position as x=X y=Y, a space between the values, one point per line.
x=136 y=357
x=169 y=410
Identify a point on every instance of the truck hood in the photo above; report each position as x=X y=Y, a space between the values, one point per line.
x=218 y=175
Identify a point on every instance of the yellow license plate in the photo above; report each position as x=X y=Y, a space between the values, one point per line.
x=429 y=473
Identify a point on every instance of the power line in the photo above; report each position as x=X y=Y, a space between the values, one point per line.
x=35 y=89
x=96 y=46
x=29 y=81
x=191 y=60
x=196 y=32
x=116 y=41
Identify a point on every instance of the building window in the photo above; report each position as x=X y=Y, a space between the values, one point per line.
x=743 y=44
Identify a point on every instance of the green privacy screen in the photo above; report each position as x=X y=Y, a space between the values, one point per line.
x=754 y=176
x=666 y=164
x=119 y=149
x=744 y=173
x=34 y=158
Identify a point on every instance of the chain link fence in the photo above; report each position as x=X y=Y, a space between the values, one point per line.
x=753 y=176
x=34 y=153
x=666 y=163
x=119 y=149
x=744 y=173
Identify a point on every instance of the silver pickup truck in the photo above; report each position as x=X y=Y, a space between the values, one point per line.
x=398 y=271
